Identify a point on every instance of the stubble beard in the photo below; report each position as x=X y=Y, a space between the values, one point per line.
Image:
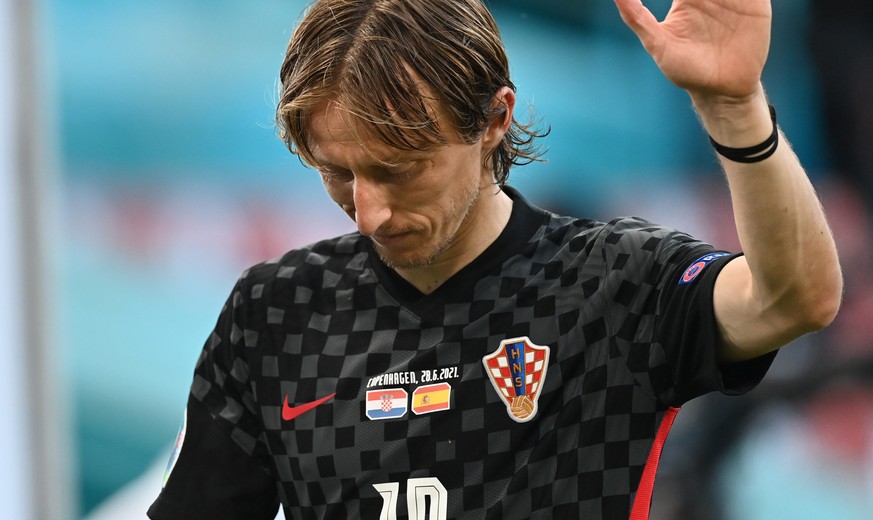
x=460 y=214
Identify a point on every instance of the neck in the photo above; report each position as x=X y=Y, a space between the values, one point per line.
x=480 y=229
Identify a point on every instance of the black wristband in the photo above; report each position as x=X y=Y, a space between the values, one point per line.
x=751 y=154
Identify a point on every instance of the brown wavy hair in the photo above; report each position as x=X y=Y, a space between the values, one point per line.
x=370 y=57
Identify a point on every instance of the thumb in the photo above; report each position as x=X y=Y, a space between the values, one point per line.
x=640 y=20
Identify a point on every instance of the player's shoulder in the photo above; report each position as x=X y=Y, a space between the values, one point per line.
x=635 y=224
x=309 y=264
x=621 y=241
x=631 y=233
x=573 y=234
x=560 y=228
x=563 y=228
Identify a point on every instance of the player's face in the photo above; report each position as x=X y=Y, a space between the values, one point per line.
x=421 y=207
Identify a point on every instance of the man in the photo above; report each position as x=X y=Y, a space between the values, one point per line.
x=465 y=354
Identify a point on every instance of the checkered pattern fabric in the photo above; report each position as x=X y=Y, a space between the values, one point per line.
x=330 y=319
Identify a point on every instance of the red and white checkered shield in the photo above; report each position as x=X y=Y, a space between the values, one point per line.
x=517 y=369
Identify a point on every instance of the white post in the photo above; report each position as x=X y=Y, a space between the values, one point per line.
x=35 y=471
x=15 y=449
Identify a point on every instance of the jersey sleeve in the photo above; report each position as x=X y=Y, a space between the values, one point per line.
x=687 y=328
x=223 y=470
x=662 y=313
x=213 y=478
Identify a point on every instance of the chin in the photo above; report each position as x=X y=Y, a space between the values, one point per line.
x=412 y=260
x=404 y=261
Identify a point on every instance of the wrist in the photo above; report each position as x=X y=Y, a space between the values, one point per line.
x=735 y=122
x=751 y=154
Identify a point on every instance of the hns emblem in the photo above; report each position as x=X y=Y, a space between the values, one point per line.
x=517 y=370
x=696 y=268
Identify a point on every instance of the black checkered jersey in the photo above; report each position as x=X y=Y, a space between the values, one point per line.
x=538 y=382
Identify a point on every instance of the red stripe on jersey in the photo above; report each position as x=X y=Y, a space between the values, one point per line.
x=643 y=500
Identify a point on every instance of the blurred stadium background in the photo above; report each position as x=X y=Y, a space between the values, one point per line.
x=141 y=174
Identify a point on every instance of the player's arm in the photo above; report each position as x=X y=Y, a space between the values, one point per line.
x=222 y=469
x=789 y=281
x=211 y=476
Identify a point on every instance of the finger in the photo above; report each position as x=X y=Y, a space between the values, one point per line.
x=640 y=20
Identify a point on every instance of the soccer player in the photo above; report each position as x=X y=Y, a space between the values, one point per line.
x=466 y=354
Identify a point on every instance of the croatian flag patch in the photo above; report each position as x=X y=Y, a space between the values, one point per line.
x=386 y=404
x=698 y=265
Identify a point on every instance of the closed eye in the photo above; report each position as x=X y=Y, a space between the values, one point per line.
x=404 y=170
x=331 y=175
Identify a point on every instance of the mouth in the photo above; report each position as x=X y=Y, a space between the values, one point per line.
x=390 y=239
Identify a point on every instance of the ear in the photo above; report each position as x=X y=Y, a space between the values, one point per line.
x=502 y=105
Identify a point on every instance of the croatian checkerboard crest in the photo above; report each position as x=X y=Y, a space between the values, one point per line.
x=517 y=369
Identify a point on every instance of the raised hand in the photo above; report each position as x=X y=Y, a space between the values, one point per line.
x=708 y=47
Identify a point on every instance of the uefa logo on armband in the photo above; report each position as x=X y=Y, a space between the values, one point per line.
x=698 y=265
x=517 y=369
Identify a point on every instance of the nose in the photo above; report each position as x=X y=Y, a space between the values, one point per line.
x=372 y=207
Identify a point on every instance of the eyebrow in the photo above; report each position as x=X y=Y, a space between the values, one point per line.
x=398 y=158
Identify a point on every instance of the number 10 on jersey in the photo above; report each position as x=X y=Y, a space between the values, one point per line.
x=418 y=490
